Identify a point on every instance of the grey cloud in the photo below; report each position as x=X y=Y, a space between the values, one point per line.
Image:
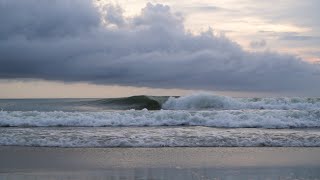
x=114 y=15
x=299 y=38
x=316 y=53
x=152 y=49
x=291 y=36
x=207 y=8
x=258 y=44
x=44 y=18
x=302 y=13
x=269 y=33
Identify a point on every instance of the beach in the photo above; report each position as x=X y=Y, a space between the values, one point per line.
x=159 y=163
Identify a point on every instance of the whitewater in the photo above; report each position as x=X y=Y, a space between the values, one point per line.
x=280 y=119
x=197 y=120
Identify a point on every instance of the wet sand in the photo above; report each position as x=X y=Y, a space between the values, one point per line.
x=159 y=163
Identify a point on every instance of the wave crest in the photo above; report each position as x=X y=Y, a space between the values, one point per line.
x=133 y=102
x=202 y=101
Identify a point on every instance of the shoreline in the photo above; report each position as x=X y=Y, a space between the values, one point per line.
x=24 y=157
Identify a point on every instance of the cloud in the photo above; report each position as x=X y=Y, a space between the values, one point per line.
x=66 y=40
x=34 y=19
x=114 y=15
x=258 y=44
x=299 y=38
x=207 y=8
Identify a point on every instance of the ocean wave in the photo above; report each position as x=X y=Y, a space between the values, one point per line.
x=158 y=137
x=83 y=104
x=213 y=118
x=198 y=101
x=202 y=101
x=133 y=102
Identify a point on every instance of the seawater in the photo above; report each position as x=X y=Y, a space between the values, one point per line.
x=198 y=120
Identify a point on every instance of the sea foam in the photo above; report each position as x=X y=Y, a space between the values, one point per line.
x=213 y=118
x=158 y=137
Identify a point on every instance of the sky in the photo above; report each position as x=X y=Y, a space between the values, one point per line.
x=100 y=48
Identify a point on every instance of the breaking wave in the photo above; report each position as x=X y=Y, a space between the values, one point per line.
x=72 y=105
x=195 y=120
x=133 y=102
x=199 y=101
x=214 y=118
x=209 y=101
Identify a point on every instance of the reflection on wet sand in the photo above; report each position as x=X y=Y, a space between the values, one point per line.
x=29 y=163
x=172 y=173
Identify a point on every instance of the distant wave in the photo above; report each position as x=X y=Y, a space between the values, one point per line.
x=201 y=101
x=83 y=105
x=133 y=102
x=213 y=118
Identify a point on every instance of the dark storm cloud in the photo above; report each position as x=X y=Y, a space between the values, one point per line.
x=64 y=40
x=34 y=19
x=114 y=15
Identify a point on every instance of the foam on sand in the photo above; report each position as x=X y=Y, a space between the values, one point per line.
x=158 y=137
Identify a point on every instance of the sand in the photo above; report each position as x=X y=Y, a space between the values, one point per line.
x=158 y=163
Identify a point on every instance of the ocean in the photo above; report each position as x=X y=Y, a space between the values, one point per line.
x=197 y=120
